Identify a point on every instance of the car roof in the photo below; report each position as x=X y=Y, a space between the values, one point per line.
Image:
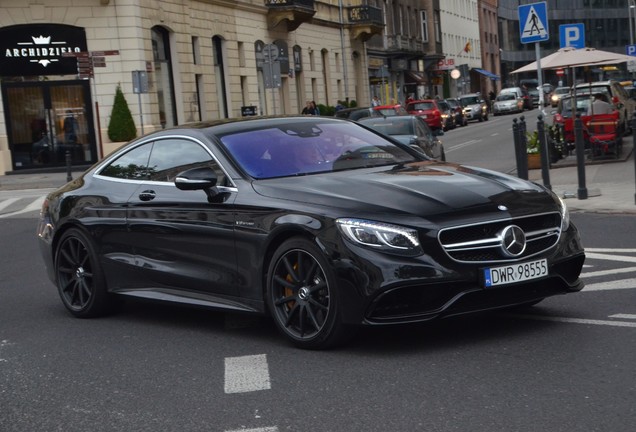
x=596 y=83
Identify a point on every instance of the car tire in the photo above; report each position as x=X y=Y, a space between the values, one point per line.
x=302 y=296
x=79 y=276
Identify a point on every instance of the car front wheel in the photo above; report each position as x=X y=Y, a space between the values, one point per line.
x=302 y=296
x=80 y=279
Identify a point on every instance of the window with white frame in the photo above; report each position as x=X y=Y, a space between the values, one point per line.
x=423 y=18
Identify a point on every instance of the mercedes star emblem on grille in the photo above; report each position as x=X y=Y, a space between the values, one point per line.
x=513 y=241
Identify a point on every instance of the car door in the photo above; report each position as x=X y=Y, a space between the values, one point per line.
x=183 y=240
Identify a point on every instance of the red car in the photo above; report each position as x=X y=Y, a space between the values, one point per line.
x=436 y=113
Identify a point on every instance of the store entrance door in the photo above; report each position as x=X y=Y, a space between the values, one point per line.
x=47 y=120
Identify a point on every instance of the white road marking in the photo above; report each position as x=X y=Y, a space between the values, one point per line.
x=266 y=429
x=611 y=285
x=578 y=320
x=35 y=205
x=608 y=272
x=601 y=250
x=462 y=145
x=6 y=203
x=246 y=374
x=621 y=258
x=624 y=316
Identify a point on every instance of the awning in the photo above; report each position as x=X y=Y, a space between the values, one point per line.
x=414 y=77
x=485 y=73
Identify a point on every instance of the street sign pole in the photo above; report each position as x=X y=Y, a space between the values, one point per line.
x=533 y=27
x=537 y=50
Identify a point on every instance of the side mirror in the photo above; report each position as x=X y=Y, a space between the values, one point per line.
x=438 y=132
x=196 y=179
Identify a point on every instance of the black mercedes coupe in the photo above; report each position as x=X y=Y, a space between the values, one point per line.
x=322 y=223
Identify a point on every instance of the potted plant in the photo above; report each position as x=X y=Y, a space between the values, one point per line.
x=533 y=147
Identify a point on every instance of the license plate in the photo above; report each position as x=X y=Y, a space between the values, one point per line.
x=514 y=273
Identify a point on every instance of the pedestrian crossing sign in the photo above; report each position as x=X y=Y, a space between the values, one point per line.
x=533 y=22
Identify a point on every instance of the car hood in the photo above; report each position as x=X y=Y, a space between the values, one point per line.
x=473 y=106
x=426 y=188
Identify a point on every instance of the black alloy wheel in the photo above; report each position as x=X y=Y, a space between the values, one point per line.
x=302 y=297
x=80 y=280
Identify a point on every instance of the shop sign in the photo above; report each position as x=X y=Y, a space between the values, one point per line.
x=446 y=64
x=38 y=49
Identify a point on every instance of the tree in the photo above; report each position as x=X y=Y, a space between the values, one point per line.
x=121 y=126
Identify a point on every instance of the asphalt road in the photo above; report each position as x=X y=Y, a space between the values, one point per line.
x=568 y=364
x=489 y=144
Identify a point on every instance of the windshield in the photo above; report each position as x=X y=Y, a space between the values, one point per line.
x=302 y=148
x=594 y=90
x=423 y=106
x=392 y=126
x=506 y=96
x=469 y=100
x=581 y=106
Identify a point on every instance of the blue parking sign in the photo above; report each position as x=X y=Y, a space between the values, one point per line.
x=630 y=50
x=533 y=22
x=572 y=35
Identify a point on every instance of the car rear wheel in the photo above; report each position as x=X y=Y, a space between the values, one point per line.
x=302 y=296
x=80 y=279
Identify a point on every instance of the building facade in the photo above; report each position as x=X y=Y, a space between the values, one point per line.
x=490 y=79
x=402 y=58
x=461 y=43
x=175 y=62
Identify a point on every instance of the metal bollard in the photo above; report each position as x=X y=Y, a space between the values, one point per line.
x=69 y=176
x=545 y=153
x=580 y=156
x=521 y=154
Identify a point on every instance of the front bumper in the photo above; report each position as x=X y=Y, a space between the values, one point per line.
x=383 y=290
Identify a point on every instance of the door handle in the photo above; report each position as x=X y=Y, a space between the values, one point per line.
x=147 y=195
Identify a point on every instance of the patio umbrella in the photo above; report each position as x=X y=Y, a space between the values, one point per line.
x=572 y=57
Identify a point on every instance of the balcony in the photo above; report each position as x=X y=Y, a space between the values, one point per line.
x=404 y=45
x=292 y=12
x=365 y=21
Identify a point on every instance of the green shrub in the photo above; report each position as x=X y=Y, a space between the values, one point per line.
x=121 y=126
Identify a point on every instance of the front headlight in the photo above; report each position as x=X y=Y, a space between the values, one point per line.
x=380 y=236
x=565 y=214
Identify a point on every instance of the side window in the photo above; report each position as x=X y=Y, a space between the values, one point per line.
x=171 y=156
x=424 y=132
x=131 y=165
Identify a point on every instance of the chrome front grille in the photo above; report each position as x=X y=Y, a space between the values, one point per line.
x=482 y=243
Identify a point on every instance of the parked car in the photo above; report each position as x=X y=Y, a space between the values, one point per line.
x=357 y=113
x=320 y=222
x=458 y=111
x=436 y=113
x=410 y=130
x=519 y=93
x=390 y=110
x=507 y=103
x=616 y=95
x=557 y=94
x=475 y=107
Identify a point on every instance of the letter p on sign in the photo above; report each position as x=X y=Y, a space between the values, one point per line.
x=572 y=35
